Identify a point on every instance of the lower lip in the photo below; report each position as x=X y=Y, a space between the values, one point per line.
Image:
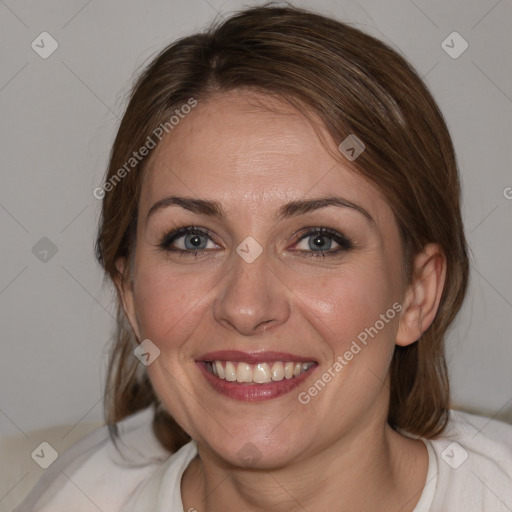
x=246 y=392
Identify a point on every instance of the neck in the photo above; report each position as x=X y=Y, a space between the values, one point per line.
x=375 y=469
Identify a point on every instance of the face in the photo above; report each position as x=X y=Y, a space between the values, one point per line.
x=269 y=276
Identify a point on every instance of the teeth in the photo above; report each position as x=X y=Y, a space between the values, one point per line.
x=229 y=371
x=260 y=373
x=220 y=369
x=243 y=373
x=288 y=370
x=277 y=371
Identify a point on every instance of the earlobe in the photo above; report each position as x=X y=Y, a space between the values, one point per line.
x=423 y=294
x=124 y=286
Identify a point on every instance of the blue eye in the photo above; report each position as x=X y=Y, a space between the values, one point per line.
x=194 y=241
x=187 y=239
x=320 y=242
x=315 y=243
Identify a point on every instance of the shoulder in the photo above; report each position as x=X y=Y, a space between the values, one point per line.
x=474 y=464
x=98 y=473
x=486 y=441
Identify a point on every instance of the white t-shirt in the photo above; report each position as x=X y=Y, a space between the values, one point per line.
x=470 y=470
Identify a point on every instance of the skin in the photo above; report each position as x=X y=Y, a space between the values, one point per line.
x=253 y=154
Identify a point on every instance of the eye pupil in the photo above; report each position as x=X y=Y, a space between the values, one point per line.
x=194 y=242
x=320 y=242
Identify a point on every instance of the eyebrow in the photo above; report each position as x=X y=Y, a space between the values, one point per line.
x=288 y=210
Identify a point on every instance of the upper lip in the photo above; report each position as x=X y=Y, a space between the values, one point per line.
x=253 y=357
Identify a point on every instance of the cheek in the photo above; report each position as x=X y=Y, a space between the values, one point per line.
x=346 y=307
x=168 y=304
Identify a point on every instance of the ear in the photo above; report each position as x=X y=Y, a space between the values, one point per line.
x=423 y=294
x=124 y=285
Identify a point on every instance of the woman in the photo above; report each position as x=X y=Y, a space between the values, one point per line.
x=281 y=220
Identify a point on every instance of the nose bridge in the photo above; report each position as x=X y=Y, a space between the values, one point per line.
x=251 y=297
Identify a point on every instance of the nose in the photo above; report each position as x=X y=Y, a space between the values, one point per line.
x=251 y=298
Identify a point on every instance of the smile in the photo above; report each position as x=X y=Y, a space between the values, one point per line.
x=254 y=376
x=260 y=373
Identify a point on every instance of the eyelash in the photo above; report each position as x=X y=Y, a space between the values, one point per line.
x=344 y=243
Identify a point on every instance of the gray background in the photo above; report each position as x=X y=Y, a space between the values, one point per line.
x=59 y=117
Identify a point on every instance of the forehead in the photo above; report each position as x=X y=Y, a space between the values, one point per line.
x=248 y=150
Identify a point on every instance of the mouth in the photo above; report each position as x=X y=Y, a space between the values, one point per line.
x=254 y=376
x=260 y=373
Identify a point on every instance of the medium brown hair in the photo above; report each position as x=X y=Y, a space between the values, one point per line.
x=355 y=84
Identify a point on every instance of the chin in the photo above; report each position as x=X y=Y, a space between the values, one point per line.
x=257 y=448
